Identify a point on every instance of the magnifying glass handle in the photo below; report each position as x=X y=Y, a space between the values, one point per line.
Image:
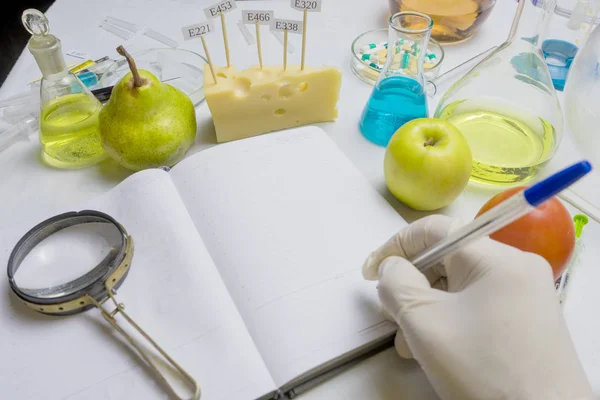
x=146 y=356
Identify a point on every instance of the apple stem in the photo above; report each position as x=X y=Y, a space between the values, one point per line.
x=429 y=142
x=137 y=79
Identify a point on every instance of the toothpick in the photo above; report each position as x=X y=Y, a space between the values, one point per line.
x=258 y=44
x=225 y=39
x=210 y=64
x=303 y=40
x=285 y=44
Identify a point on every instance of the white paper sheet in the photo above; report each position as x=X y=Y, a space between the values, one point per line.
x=173 y=291
x=289 y=222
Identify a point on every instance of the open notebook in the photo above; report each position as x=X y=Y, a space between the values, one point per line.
x=247 y=270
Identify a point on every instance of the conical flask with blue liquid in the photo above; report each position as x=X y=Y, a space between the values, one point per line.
x=399 y=95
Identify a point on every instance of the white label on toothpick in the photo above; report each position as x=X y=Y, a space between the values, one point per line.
x=221 y=7
x=195 y=31
x=308 y=5
x=289 y=25
x=263 y=17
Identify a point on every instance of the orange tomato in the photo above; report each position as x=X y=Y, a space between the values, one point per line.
x=548 y=231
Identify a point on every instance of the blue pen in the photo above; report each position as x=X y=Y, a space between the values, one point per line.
x=502 y=215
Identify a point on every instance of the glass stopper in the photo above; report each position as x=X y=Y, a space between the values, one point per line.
x=35 y=22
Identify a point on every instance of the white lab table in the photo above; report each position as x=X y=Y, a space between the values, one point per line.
x=27 y=185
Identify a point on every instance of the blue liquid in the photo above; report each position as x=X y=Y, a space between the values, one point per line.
x=559 y=56
x=394 y=102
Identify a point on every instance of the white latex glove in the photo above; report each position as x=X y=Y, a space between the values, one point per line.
x=497 y=332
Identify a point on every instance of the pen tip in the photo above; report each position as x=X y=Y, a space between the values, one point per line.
x=586 y=166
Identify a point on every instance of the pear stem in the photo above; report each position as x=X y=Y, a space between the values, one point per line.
x=137 y=79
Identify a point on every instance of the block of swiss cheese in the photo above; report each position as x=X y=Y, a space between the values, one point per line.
x=254 y=101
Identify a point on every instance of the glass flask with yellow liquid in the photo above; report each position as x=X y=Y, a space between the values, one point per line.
x=506 y=106
x=69 y=111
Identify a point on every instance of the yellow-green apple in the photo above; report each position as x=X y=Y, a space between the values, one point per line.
x=427 y=164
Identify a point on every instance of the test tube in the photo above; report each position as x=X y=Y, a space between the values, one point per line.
x=123 y=24
x=246 y=33
x=122 y=33
x=151 y=33
x=580 y=221
x=16 y=132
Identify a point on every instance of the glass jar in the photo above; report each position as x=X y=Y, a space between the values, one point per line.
x=582 y=98
x=568 y=33
x=454 y=20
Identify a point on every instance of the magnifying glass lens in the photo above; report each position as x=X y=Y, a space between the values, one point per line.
x=68 y=254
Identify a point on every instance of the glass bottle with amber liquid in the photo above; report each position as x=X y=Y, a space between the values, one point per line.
x=453 y=20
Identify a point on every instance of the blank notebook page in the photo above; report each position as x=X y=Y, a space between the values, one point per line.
x=173 y=291
x=289 y=221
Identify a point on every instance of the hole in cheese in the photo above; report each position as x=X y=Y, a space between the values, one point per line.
x=241 y=87
x=263 y=74
x=302 y=86
x=286 y=91
x=222 y=74
x=266 y=97
x=279 y=112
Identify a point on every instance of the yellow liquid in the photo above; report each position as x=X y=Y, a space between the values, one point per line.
x=69 y=132
x=508 y=145
x=453 y=20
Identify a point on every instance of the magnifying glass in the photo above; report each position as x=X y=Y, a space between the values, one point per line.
x=76 y=261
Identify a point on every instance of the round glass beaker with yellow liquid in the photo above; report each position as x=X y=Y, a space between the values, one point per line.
x=507 y=107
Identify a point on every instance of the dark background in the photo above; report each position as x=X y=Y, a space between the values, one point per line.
x=13 y=35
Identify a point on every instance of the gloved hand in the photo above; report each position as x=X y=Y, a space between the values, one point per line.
x=484 y=324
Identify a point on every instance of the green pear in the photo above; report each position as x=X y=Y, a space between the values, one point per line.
x=146 y=123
